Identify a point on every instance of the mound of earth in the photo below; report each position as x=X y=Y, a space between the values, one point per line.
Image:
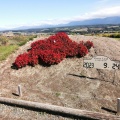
x=62 y=84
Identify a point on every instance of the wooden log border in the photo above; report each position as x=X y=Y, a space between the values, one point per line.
x=58 y=109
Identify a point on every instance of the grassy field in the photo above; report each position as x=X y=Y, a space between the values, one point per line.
x=5 y=51
x=9 y=44
x=111 y=35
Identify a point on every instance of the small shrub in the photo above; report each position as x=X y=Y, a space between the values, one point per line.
x=82 y=50
x=32 y=58
x=21 y=60
x=49 y=57
x=88 y=44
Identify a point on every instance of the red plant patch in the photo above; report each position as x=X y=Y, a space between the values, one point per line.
x=52 y=50
x=82 y=50
x=21 y=60
x=88 y=44
x=49 y=57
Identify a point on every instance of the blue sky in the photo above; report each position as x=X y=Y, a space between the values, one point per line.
x=15 y=13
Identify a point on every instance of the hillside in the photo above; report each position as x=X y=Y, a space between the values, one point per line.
x=62 y=84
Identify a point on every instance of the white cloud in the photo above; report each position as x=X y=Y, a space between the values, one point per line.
x=52 y=22
x=102 y=13
x=106 y=12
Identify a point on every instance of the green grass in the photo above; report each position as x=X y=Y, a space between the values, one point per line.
x=22 y=43
x=117 y=39
x=5 y=51
x=12 y=43
x=111 y=35
x=58 y=94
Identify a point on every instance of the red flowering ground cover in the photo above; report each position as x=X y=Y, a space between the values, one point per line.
x=52 y=51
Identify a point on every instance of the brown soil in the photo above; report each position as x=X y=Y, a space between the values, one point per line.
x=61 y=84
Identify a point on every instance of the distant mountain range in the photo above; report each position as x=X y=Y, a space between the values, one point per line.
x=108 y=20
x=97 y=21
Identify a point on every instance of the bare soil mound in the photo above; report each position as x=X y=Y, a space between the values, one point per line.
x=62 y=84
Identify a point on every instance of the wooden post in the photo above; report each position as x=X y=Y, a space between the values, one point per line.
x=19 y=90
x=118 y=106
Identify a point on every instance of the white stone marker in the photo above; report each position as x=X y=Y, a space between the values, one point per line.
x=19 y=90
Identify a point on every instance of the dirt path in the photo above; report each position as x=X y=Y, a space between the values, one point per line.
x=61 y=84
